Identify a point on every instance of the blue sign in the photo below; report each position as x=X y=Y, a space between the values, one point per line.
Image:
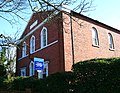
x=38 y=64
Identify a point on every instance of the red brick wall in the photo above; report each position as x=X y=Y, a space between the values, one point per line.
x=68 y=59
x=60 y=55
x=82 y=37
x=83 y=48
x=52 y=53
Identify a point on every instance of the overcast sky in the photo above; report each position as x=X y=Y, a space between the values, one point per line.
x=106 y=11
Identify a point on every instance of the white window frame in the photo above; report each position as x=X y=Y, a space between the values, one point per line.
x=31 y=69
x=95 y=39
x=110 y=40
x=42 y=37
x=40 y=74
x=24 y=49
x=32 y=44
x=23 y=70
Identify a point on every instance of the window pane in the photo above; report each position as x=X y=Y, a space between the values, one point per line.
x=32 y=44
x=23 y=72
x=111 y=45
x=44 y=73
x=44 y=37
x=24 y=50
x=95 y=37
x=31 y=69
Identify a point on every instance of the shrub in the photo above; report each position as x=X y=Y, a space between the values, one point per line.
x=92 y=76
x=55 y=83
x=22 y=83
x=60 y=82
x=2 y=70
x=98 y=76
x=2 y=85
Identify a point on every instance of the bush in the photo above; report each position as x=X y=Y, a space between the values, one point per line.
x=2 y=85
x=92 y=76
x=60 y=82
x=22 y=83
x=2 y=71
x=55 y=83
x=98 y=76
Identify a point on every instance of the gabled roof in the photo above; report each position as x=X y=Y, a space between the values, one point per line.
x=94 y=21
x=88 y=19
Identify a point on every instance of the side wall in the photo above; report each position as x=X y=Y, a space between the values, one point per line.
x=83 y=48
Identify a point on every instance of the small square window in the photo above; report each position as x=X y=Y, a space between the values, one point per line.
x=23 y=71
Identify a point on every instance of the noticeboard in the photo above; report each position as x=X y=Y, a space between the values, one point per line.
x=38 y=64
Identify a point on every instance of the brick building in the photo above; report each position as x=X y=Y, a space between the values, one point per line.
x=63 y=41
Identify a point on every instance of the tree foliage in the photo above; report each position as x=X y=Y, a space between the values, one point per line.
x=2 y=70
x=7 y=59
x=3 y=56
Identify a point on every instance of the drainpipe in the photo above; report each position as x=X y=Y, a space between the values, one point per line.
x=72 y=41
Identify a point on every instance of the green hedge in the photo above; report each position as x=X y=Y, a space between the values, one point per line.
x=2 y=70
x=60 y=82
x=55 y=83
x=92 y=76
x=97 y=76
x=2 y=85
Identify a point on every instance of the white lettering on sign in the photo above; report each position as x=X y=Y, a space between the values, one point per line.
x=39 y=64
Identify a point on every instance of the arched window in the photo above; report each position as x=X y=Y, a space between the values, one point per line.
x=110 y=39
x=31 y=69
x=44 y=37
x=32 y=44
x=24 y=49
x=95 y=39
